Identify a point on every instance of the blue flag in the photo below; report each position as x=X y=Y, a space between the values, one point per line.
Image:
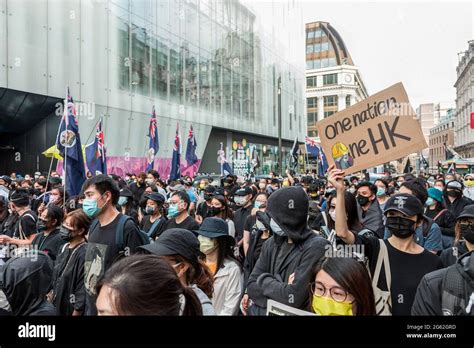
x=95 y=153
x=69 y=146
x=176 y=159
x=154 y=142
x=191 y=157
x=322 y=163
x=312 y=147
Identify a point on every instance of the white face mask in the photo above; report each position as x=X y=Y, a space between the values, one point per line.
x=276 y=228
x=240 y=200
x=332 y=214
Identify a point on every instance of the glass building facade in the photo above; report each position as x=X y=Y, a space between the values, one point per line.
x=210 y=63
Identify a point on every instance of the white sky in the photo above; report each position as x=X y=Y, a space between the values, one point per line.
x=416 y=43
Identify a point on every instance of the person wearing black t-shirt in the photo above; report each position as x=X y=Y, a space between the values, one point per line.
x=48 y=239
x=202 y=210
x=408 y=261
x=68 y=291
x=154 y=210
x=178 y=214
x=102 y=195
x=25 y=228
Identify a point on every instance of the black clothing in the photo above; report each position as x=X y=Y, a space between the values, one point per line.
x=445 y=220
x=25 y=282
x=146 y=225
x=50 y=244
x=406 y=271
x=68 y=280
x=449 y=256
x=102 y=252
x=188 y=224
x=239 y=220
x=137 y=192
x=28 y=224
x=457 y=205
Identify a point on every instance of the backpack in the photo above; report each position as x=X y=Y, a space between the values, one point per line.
x=455 y=298
x=145 y=239
x=383 y=298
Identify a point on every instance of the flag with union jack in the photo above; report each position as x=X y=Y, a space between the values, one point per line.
x=191 y=156
x=176 y=158
x=96 y=153
x=312 y=147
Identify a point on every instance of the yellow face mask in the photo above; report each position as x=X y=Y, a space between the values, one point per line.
x=469 y=183
x=285 y=184
x=327 y=306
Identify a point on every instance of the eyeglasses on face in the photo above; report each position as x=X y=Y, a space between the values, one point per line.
x=336 y=293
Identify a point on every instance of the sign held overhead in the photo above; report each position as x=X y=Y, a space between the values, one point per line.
x=376 y=130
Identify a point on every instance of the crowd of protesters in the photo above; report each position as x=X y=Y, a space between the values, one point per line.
x=332 y=245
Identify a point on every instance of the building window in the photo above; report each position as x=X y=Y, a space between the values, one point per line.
x=311 y=81
x=317 y=47
x=330 y=100
x=324 y=63
x=348 y=101
x=317 y=64
x=309 y=64
x=329 y=79
x=312 y=102
x=312 y=117
x=324 y=46
x=317 y=33
x=309 y=48
x=332 y=61
x=310 y=34
x=328 y=113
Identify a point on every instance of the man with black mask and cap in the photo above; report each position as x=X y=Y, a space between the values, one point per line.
x=203 y=207
x=450 y=291
x=454 y=199
x=283 y=270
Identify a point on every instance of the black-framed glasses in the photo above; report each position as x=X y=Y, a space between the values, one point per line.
x=336 y=293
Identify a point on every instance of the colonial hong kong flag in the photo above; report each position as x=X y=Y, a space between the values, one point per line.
x=69 y=145
x=323 y=162
x=311 y=147
x=154 y=142
x=95 y=153
x=191 y=156
x=176 y=159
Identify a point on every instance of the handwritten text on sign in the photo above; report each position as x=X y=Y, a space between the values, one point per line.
x=376 y=130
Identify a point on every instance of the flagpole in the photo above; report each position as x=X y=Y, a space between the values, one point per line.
x=65 y=147
x=222 y=161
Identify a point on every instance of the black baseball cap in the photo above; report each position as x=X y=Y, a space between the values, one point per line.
x=126 y=192
x=155 y=196
x=405 y=203
x=244 y=191
x=175 y=241
x=467 y=212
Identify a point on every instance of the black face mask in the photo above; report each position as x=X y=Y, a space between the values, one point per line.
x=213 y=211
x=454 y=193
x=41 y=226
x=65 y=234
x=467 y=232
x=207 y=197
x=400 y=227
x=362 y=200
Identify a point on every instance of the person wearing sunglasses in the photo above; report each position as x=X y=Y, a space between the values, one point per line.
x=341 y=286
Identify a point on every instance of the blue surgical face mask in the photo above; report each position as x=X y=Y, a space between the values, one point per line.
x=122 y=200
x=173 y=210
x=257 y=204
x=380 y=191
x=276 y=229
x=429 y=202
x=89 y=205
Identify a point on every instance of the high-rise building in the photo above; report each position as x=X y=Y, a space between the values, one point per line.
x=214 y=64
x=464 y=133
x=333 y=82
x=440 y=136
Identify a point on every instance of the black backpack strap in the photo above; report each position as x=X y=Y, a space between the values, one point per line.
x=119 y=234
x=427 y=226
x=154 y=227
x=93 y=226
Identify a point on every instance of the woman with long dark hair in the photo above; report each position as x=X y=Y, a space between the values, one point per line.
x=220 y=208
x=341 y=286
x=145 y=285
x=218 y=247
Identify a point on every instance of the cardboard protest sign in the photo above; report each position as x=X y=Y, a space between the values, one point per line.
x=280 y=309
x=376 y=130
